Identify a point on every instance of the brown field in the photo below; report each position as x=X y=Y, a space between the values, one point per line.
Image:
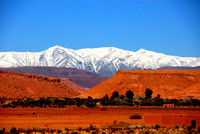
x=72 y=118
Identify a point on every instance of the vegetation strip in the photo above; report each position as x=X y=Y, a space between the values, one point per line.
x=114 y=100
x=110 y=129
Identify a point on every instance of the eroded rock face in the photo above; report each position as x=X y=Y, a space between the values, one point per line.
x=167 y=83
x=16 y=85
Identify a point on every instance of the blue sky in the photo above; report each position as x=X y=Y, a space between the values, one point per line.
x=166 y=26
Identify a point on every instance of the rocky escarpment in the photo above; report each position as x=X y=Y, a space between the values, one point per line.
x=167 y=83
x=16 y=85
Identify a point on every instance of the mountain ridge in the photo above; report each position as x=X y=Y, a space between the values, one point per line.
x=104 y=61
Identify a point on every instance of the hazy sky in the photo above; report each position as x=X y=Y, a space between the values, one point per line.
x=166 y=26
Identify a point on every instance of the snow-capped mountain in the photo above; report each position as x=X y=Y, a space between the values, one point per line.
x=104 y=61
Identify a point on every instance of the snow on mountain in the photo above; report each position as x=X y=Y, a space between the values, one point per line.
x=104 y=61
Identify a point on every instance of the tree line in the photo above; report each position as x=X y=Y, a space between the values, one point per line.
x=115 y=100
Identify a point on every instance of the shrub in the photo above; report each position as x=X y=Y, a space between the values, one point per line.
x=198 y=128
x=189 y=128
x=37 y=129
x=79 y=129
x=5 y=106
x=92 y=127
x=13 y=130
x=90 y=103
x=74 y=133
x=2 y=131
x=66 y=129
x=59 y=131
x=136 y=116
x=156 y=126
x=176 y=126
x=183 y=126
x=103 y=109
x=21 y=130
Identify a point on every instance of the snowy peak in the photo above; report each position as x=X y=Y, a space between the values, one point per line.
x=104 y=61
x=96 y=51
x=147 y=52
x=59 y=49
x=142 y=51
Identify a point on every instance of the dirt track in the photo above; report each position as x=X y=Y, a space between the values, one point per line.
x=73 y=118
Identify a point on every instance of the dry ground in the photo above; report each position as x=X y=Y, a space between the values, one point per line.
x=72 y=118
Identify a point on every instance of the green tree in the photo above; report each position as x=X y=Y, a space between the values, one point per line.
x=148 y=93
x=13 y=130
x=115 y=94
x=90 y=103
x=129 y=94
x=158 y=102
x=105 y=100
x=90 y=98
x=114 y=99
x=158 y=96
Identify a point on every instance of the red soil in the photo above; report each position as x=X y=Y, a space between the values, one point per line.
x=80 y=77
x=15 y=85
x=56 y=118
x=166 y=83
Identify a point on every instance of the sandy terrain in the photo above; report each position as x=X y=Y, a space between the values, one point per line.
x=72 y=118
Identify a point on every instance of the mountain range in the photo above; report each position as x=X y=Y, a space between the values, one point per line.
x=103 y=61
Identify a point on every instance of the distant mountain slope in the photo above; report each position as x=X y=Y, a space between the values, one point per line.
x=73 y=85
x=32 y=86
x=82 y=78
x=166 y=83
x=104 y=61
x=179 y=68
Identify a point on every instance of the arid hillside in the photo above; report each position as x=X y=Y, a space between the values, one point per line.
x=73 y=85
x=15 y=85
x=167 y=83
x=80 y=77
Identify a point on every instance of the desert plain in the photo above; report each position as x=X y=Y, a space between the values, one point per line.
x=73 y=118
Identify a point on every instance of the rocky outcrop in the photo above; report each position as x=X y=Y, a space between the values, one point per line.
x=166 y=83
x=17 y=85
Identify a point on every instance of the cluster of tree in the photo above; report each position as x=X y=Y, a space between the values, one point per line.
x=115 y=100
x=128 y=100
x=52 y=102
